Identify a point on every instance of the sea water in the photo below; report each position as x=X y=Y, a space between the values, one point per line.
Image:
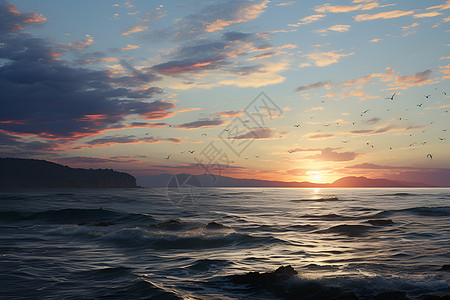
x=146 y=244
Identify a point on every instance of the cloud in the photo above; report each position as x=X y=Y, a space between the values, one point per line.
x=11 y=20
x=320 y=136
x=268 y=74
x=372 y=121
x=315 y=108
x=337 y=28
x=79 y=45
x=256 y=133
x=446 y=5
x=308 y=19
x=128 y=139
x=240 y=12
x=130 y=47
x=135 y=29
x=317 y=85
x=215 y=17
x=375 y=40
x=324 y=8
x=417 y=79
x=45 y=97
x=94 y=160
x=230 y=113
x=322 y=59
x=383 y=15
x=201 y=124
x=327 y=154
x=264 y=55
x=427 y=15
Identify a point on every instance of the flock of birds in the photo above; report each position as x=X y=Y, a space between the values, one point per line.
x=429 y=155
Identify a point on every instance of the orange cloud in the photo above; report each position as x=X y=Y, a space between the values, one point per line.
x=245 y=14
x=427 y=15
x=322 y=59
x=324 y=8
x=135 y=29
x=446 y=5
x=130 y=47
x=80 y=45
x=383 y=15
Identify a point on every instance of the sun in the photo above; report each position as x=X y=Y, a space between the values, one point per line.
x=315 y=176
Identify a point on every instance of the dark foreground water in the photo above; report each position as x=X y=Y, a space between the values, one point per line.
x=135 y=244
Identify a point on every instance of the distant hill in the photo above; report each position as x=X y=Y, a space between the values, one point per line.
x=162 y=180
x=33 y=173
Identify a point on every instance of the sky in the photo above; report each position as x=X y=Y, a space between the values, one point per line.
x=275 y=90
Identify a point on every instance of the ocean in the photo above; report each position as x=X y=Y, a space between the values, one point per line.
x=155 y=243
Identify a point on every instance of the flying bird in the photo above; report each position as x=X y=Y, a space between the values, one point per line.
x=427 y=96
x=191 y=151
x=430 y=156
x=296 y=125
x=204 y=134
x=419 y=105
x=392 y=97
x=168 y=156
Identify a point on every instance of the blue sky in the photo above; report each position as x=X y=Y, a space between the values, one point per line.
x=125 y=84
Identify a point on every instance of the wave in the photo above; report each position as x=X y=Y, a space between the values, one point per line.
x=318 y=199
x=77 y=216
x=287 y=283
x=437 y=211
x=400 y=194
x=348 y=230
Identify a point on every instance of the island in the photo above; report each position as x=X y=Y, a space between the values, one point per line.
x=34 y=173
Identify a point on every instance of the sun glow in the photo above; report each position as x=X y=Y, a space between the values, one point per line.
x=315 y=176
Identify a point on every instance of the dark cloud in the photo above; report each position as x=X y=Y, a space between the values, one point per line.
x=205 y=54
x=201 y=123
x=312 y=86
x=328 y=154
x=11 y=20
x=247 y=70
x=320 y=136
x=94 y=160
x=129 y=139
x=50 y=98
x=229 y=113
x=256 y=133
x=218 y=16
x=373 y=121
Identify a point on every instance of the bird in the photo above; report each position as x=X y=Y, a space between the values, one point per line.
x=364 y=112
x=296 y=125
x=169 y=125
x=191 y=151
x=392 y=97
x=226 y=129
x=390 y=148
x=257 y=156
x=326 y=125
x=445 y=94
x=441 y=139
x=204 y=134
x=430 y=156
x=168 y=156
x=345 y=141
x=419 y=105
x=427 y=96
